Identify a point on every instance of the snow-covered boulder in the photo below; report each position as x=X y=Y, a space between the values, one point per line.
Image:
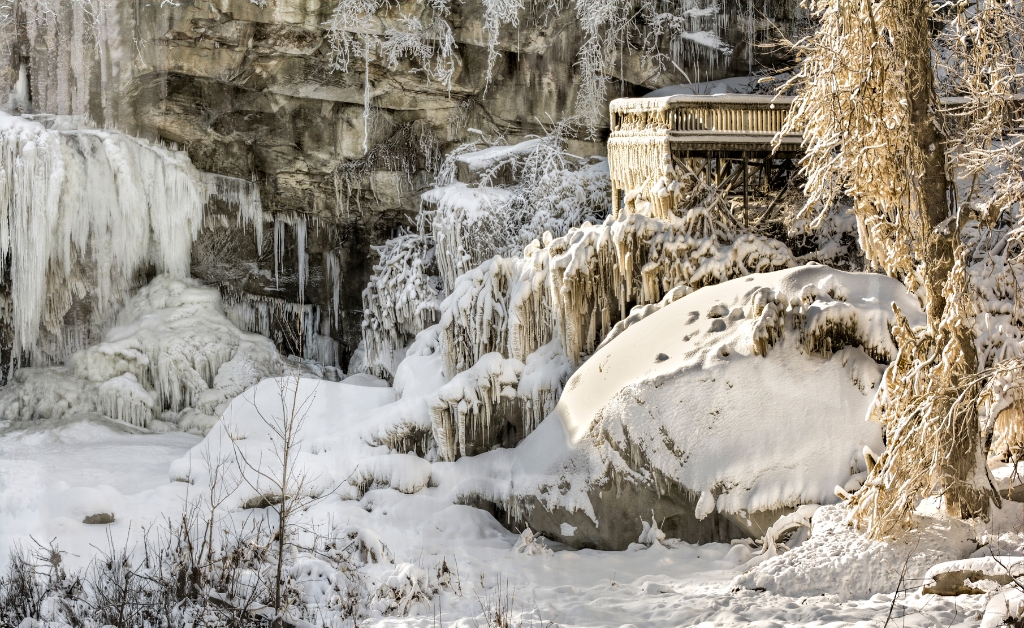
x=717 y=412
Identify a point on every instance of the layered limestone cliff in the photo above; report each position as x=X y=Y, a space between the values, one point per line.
x=254 y=90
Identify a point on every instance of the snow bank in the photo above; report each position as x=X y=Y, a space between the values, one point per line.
x=838 y=560
x=742 y=398
x=172 y=355
x=82 y=214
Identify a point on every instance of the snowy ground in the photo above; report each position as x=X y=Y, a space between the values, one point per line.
x=53 y=471
x=437 y=562
x=49 y=468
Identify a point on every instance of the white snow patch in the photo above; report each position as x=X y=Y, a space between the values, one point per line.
x=838 y=560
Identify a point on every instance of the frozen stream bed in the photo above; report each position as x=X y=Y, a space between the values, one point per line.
x=51 y=470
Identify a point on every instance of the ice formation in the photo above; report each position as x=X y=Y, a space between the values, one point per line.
x=298 y=224
x=665 y=407
x=507 y=196
x=172 y=356
x=544 y=308
x=470 y=413
x=515 y=194
x=82 y=215
x=301 y=329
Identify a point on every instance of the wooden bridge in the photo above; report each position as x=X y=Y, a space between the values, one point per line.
x=710 y=144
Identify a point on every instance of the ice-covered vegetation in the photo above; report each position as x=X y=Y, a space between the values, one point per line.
x=945 y=221
x=401 y=300
x=418 y=38
x=514 y=195
x=495 y=200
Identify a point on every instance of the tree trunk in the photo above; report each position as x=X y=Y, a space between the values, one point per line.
x=963 y=497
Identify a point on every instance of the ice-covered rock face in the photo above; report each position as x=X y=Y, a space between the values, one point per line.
x=743 y=398
x=84 y=214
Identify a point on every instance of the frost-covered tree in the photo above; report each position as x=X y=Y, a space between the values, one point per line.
x=869 y=112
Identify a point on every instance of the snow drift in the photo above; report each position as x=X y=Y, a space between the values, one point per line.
x=716 y=411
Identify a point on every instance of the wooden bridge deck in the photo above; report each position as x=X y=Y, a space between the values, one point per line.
x=719 y=138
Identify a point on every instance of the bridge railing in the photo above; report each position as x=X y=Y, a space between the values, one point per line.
x=731 y=114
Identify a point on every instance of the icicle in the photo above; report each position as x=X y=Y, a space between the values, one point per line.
x=278 y=248
x=366 y=97
x=468 y=413
x=300 y=246
x=246 y=197
x=256 y=313
x=124 y=399
x=333 y=263
x=21 y=97
x=82 y=63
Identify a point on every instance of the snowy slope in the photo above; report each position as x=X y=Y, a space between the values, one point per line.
x=405 y=508
x=668 y=585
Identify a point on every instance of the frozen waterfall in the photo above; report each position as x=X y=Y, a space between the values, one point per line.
x=84 y=215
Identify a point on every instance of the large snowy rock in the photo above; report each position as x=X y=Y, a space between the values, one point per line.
x=716 y=412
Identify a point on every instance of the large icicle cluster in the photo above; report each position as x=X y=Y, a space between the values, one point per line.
x=83 y=214
x=301 y=329
x=173 y=355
